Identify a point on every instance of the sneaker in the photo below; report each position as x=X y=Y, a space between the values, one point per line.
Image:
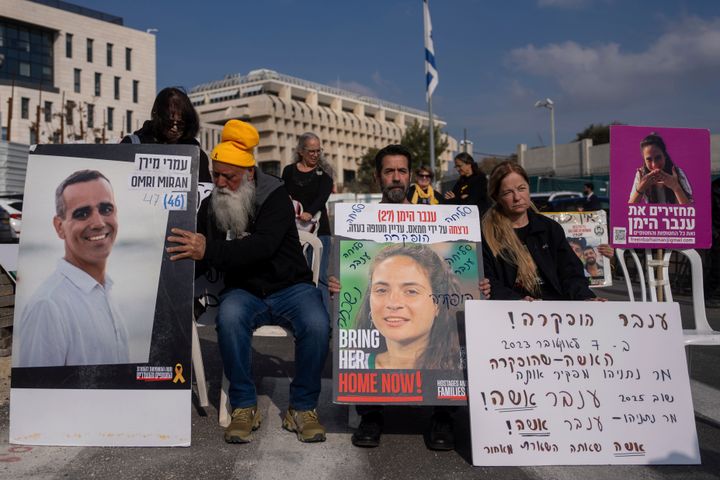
x=369 y=431
x=244 y=422
x=306 y=424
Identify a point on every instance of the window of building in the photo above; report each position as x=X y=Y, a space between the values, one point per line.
x=27 y=52
x=98 y=83
x=33 y=136
x=68 y=45
x=109 y=52
x=3 y=134
x=90 y=115
x=90 y=50
x=69 y=112
x=128 y=59
x=136 y=87
x=116 y=88
x=110 y=119
x=128 y=121
x=76 y=77
x=48 y=112
x=272 y=167
x=25 y=107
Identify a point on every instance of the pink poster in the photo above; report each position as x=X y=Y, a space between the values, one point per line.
x=659 y=187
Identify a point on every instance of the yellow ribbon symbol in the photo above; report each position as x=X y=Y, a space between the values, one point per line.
x=178 y=374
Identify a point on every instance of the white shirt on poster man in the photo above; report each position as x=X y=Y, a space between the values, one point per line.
x=72 y=320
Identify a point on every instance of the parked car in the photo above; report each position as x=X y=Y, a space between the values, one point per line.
x=544 y=200
x=13 y=205
x=573 y=204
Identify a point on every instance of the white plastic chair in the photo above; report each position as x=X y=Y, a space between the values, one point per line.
x=702 y=334
x=306 y=240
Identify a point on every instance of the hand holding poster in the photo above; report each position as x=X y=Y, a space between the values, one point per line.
x=660 y=187
x=397 y=338
x=551 y=384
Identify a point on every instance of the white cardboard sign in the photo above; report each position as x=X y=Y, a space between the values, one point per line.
x=577 y=383
x=406 y=223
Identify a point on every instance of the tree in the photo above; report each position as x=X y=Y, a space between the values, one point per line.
x=599 y=133
x=365 y=182
x=416 y=139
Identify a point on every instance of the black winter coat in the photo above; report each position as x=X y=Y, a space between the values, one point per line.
x=145 y=134
x=560 y=268
x=267 y=260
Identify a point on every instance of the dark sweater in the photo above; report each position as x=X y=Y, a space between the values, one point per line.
x=560 y=269
x=146 y=135
x=475 y=187
x=267 y=260
x=311 y=190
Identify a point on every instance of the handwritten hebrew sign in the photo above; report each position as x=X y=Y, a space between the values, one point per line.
x=559 y=383
x=407 y=223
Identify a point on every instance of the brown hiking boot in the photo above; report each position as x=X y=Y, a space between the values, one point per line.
x=305 y=424
x=244 y=421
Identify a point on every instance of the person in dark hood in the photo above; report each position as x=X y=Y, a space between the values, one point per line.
x=173 y=120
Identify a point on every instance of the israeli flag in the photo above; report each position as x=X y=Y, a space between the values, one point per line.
x=431 y=74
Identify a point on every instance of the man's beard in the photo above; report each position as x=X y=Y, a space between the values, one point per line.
x=394 y=194
x=233 y=210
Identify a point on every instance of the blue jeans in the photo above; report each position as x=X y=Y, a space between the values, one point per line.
x=323 y=278
x=298 y=308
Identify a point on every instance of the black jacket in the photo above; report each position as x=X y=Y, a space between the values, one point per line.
x=475 y=187
x=592 y=203
x=267 y=260
x=146 y=135
x=558 y=265
x=312 y=190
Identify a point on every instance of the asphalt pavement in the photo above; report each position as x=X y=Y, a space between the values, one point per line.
x=276 y=454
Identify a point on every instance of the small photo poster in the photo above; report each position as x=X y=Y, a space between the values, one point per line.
x=103 y=318
x=585 y=231
x=406 y=272
x=659 y=187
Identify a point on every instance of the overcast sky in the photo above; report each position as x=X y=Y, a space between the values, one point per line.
x=638 y=62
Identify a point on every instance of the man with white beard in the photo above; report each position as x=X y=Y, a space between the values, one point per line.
x=246 y=229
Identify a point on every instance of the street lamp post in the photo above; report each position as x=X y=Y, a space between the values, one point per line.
x=550 y=105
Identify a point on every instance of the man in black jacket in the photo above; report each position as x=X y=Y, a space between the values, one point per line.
x=246 y=229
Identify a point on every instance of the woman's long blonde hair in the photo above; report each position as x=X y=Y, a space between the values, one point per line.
x=499 y=234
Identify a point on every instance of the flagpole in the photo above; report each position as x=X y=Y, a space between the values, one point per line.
x=431 y=78
x=432 y=136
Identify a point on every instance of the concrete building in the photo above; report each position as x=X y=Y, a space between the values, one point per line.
x=578 y=159
x=80 y=72
x=282 y=107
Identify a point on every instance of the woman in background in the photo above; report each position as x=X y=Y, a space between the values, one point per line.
x=173 y=121
x=309 y=181
x=471 y=187
x=421 y=192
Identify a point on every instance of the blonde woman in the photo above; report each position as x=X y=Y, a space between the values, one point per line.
x=525 y=254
